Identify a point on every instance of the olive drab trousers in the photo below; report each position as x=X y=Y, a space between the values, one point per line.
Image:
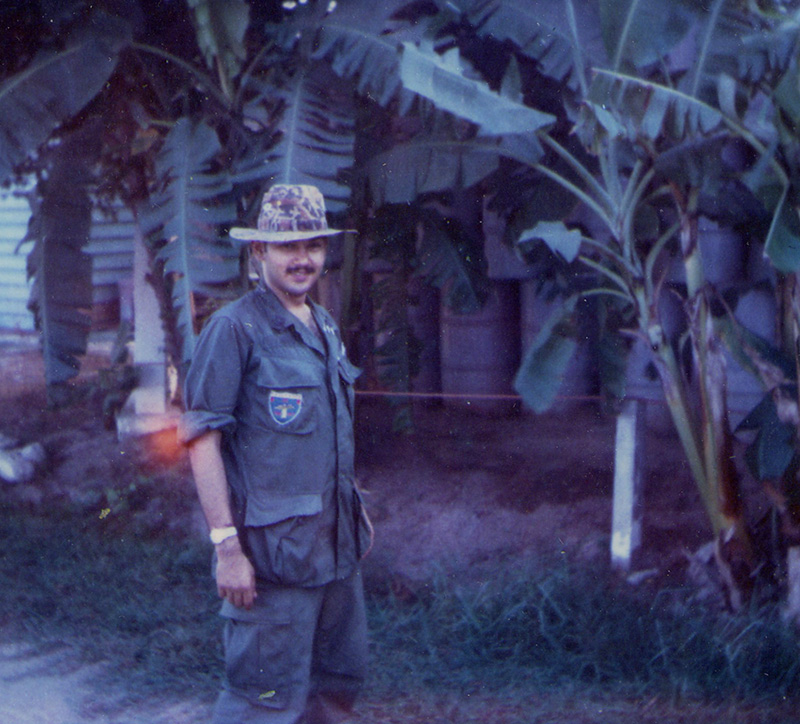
x=298 y=656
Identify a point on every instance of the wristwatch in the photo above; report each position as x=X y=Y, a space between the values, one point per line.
x=218 y=535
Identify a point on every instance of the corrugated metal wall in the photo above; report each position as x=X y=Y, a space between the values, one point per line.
x=14 y=287
x=111 y=249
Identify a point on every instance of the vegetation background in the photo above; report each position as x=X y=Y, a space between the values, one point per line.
x=604 y=134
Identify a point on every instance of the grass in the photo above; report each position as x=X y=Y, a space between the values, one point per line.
x=146 y=605
x=569 y=628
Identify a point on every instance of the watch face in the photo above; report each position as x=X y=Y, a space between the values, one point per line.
x=218 y=535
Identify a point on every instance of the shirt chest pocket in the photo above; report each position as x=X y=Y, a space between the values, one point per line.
x=289 y=396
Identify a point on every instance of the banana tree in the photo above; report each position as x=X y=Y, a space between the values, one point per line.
x=652 y=129
x=59 y=81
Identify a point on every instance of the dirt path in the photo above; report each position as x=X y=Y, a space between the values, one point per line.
x=49 y=687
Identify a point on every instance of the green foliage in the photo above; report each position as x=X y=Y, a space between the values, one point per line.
x=418 y=243
x=560 y=239
x=61 y=294
x=393 y=233
x=773 y=449
x=443 y=80
x=561 y=35
x=557 y=627
x=146 y=604
x=627 y=28
x=646 y=108
x=361 y=41
x=545 y=362
x=450 y=258
x=438 y=161
x=55 y=86
x=182 y=221
x=221 y=26
x=316 y=134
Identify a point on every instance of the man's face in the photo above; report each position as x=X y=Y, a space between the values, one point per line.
x=292 y=268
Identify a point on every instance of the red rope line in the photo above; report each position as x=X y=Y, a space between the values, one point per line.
x=487 y=396
x=462 y=396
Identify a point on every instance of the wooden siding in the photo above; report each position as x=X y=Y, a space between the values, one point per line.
x=110 y=246
x=14 y=286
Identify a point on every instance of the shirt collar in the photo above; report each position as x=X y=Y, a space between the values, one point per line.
x=277 y=315
x=281 y=318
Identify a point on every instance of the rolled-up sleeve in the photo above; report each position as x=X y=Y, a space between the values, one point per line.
x=212 y=384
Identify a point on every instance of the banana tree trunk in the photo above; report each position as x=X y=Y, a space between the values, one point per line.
x=699 y=409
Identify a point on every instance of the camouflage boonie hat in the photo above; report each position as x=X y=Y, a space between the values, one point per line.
x=289 y=213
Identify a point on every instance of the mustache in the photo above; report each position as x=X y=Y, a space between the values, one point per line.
x=307 y=268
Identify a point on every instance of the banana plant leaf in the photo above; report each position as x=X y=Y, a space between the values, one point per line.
x=53 y=88
x=627 y=28
x=220 y=29
x=545 y=362
x=317 y=135
x=447 y=260
x=439 y=161
x=562 y=36
x=772 y=450
x=362 y=42
x=442 y=79
x=756 y=354
x=783 y=241
x=182 y=222
x=560 y=239
x=397 y=352
x=61 y=293
x=646 y=108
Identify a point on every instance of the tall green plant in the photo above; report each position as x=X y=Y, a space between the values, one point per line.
x=278 y=98
x=37 y=104
x=59 y=229
x=182 y=220
x=651 y=132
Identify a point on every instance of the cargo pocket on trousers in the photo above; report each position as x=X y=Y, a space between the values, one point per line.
x=256 y=662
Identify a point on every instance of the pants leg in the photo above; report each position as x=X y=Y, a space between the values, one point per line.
x=339 y=663
x=299 y=655
x=268 y=652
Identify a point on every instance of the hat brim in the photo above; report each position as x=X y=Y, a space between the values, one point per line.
x=281 y=237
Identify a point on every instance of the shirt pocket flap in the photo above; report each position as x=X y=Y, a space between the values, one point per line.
x=274 y=509
x=284 y=374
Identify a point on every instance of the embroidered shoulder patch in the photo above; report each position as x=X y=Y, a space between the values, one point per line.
x=284 y=406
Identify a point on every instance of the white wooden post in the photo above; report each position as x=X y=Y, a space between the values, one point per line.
x=146 y=410
x=626 y=522
x=148 y=337
x=792 y=609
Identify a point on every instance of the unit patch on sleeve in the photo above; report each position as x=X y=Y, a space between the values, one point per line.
x=284 y=406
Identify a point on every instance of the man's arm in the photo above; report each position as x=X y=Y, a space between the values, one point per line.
x=235 y=575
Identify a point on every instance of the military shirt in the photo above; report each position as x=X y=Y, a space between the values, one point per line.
x=282 y=398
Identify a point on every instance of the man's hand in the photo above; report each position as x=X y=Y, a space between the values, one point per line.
x=236 y=580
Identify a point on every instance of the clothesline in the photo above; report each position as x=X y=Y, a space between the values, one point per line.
x=464 y=396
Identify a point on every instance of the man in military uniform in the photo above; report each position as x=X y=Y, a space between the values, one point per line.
x=269 y=424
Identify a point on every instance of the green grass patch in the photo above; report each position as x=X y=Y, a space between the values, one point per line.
x=559 y=627
x=146 y=604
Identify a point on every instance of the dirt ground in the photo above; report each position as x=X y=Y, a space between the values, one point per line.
x=464 y=494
